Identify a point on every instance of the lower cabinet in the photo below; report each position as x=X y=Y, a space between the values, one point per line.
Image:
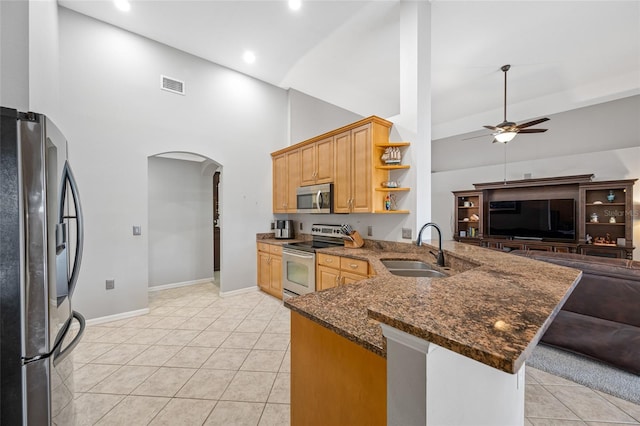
x=270 y=269
x=332 y=271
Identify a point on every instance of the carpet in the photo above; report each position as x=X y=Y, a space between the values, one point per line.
x=587 y=372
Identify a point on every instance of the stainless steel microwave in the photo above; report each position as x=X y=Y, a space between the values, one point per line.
x=315 y=198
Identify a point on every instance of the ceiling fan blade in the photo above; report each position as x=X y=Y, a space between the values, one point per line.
x=532 y=131
x=532 y=123
x=476 y=137
x=494 y=128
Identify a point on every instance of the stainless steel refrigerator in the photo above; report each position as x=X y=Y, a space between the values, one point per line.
x=41 y=237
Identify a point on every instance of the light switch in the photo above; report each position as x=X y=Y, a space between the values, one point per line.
x=137 y=230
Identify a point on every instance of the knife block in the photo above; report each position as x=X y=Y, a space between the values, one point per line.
x=357 y=240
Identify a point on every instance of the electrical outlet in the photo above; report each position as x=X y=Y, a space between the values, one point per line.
x=137 y=230
x=111 y=284
x=370 y=231
x=301 y=226
x=273 y=225
x=406 y=233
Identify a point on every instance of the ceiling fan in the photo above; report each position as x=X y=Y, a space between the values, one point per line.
x=507 y=130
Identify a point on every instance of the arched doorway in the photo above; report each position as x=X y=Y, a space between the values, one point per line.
x=182 y=203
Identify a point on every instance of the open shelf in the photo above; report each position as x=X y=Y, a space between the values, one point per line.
x=393 y=167
x=393 y=189
x=393 y=144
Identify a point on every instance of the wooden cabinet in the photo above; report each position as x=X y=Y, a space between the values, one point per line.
x=468 y=214
x=286 y=179
x=334 y=381
x=342 y=163
x=270 y=269
x=606 y=217
x=350 y=157
x=317 y=162
x=356 y=178
x=603 y=214
x=332 y=271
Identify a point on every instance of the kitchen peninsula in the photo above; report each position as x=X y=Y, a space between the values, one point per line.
x=455 y=347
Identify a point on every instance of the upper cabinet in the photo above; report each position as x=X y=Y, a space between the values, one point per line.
x=317 y=162
x=352 y=158
x=286 y=179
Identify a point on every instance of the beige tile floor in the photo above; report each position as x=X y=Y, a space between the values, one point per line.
x=199 y=359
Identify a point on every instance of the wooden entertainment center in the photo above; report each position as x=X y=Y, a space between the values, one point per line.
x=603 y=213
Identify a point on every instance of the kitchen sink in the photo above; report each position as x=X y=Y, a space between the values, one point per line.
x=411 y=268
x=417 y=273
x=405 y=264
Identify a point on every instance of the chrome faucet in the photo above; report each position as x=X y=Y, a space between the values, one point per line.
x=440 y=256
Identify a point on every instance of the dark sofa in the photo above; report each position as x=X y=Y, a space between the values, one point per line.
x=601 y=318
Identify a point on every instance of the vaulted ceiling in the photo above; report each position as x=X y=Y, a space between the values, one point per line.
x=564 y=54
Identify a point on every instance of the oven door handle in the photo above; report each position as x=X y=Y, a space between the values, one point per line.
x=306 y=256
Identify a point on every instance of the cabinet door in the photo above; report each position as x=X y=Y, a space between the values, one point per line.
x=280 y=184
x=326 y=278
x=342 y=173
x=324 y=161
x=293 y=181
x=264 y=271
x=308 y=165
x=350 y=278
x=276 y=276
x=361 y=169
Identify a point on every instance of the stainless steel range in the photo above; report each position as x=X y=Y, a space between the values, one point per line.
x=299 y=259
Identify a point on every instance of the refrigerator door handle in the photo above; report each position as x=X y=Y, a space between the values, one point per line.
x=67 y=177
x=60 y=354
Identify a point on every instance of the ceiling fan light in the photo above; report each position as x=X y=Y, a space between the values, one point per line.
x=505 y=137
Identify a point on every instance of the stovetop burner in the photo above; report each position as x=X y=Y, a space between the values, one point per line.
x=312 y=245
x=323 y=236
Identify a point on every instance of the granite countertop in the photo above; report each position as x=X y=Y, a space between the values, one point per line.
x=270 y=238
x=494 y=307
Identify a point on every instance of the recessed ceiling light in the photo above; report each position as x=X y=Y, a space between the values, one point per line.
x=122 y=5
x=249 y=57
x=295 y=4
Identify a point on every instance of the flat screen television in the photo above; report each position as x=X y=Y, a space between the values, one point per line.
x=534 y=219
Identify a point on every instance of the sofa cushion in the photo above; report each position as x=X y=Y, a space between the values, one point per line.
x=611 y=342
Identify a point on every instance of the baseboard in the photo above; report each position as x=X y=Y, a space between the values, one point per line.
x=182 y=284
x=240 y=291
x=116 y=317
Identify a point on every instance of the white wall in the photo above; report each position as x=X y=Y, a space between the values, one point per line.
x=180 y=222
x=14 y=54
x=310 y=117
x=44 y=58
x=115 y=116
x=574 y=154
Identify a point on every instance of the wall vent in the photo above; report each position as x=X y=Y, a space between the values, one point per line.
x=172 y=85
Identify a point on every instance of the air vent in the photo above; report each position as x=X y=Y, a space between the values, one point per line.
x=171 y=85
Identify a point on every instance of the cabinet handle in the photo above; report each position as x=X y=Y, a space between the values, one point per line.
x=353 y=266
x=335 y=280
x=328 y=260
x=341 y=280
